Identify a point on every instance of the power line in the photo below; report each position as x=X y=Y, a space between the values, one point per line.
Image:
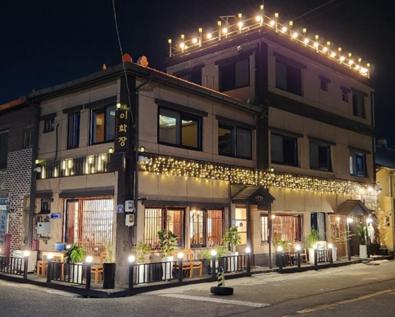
x=314 y=10
x=121 y=53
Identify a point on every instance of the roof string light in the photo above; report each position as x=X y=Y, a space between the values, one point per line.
x=299 y=36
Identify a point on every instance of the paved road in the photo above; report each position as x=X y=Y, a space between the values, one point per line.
x=358 y=290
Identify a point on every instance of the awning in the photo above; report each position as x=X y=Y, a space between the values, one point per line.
x=253 y=195
x=353 y=208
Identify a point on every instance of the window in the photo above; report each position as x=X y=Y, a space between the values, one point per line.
x=3 y=149
x=358 y=164
x=27 y=138
x=73 y=131
x=358 y=104
x=284 y=149
x=241 y=224
x=179 y=129
x=234 y=141
x=264 y=228
x=193 y=75
x=157 y=219
x=345 y=94
x=49 y=124
x=318 y=223
x=206 y=227
x=89 y=223
x=234 y=74
x=320 y=156
x=288 y=78
x=103 y=125
x=286 y=228
x=324 y=83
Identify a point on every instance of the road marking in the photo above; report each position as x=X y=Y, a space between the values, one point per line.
x=343 y=302
x=217 y=300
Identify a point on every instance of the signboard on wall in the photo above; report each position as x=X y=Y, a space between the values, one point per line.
x=3 y=218
x=122 y=130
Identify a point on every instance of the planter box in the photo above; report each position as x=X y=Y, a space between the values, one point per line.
x=363 y=251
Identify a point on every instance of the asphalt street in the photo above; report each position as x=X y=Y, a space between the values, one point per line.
x=357 y=290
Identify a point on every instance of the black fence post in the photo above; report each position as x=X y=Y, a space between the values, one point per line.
x=213 y=267
x=331 y=255
x=49 y=272
x=280 y=262
x=180 y=271
x=249 y=263
x=88 y=276
x=298 y=259
x=131 y=275
x=25 y=266
x=316 y=259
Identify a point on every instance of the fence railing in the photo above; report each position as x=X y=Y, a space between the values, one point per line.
x=14 y=265
x=70 y=273
x=148 y=273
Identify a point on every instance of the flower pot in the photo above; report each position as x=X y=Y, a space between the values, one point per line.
x=232 y=262
x=167 y=268
x=311 y=255
x=363 y=251
x=109 y=275
x=76 y=272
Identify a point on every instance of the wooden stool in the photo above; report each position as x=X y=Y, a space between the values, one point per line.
x=42 y=268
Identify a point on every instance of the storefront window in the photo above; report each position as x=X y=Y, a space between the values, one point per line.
x=206 y=227
x=89 y=223
x=265 y=228
x=157 y=219
x=196 y=229
x=214 y=227
x=286 y=228
x=241 y=223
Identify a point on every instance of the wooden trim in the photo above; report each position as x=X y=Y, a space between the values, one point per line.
x=101 y=103
x=314 y=113
x=285 y=132
x=312 y=138
x=286 y=60
x=181 y=108
x=235 y=123
x=357 y=149
x=73 y=109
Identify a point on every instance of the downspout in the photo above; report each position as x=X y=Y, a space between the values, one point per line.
x=56 y=141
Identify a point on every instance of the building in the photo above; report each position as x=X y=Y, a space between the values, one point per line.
x=315 y=127
x=17 y=149
x=385 y=168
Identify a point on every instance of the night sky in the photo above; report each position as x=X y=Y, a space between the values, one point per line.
x=48 y=42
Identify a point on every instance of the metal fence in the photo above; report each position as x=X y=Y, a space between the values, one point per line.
x=70 y=273
x=14 y=265
x=179 y=271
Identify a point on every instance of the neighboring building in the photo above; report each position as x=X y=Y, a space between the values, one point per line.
x=17 y=144
x=316 y=121
x=385 y=175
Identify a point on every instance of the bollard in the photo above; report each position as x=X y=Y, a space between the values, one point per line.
x=298 y=259
x=221 y=277
x=88 y=277
x=180 y=271
x=220 y=289
x=248 y=264
x=213 y=269
x=331 y=256
x=280 y=261
x=25 y=267
x=131 y=275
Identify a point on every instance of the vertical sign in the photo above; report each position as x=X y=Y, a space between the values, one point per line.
x=3 y=218
x=122 y=130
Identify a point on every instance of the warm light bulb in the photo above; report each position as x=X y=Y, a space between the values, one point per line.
x=240 y=24
x=209 y=36
x=258 y=19
x=284 y=29
x=194 y=40
x=306 y=41
x=272 y=23
x=295 y=35
x=225 y=31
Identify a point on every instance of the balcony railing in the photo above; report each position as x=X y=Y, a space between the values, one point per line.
x=86 y=165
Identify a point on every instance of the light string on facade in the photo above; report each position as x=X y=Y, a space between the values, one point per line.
x=288 y=30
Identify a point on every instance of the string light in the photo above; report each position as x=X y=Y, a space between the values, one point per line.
x=260 y=20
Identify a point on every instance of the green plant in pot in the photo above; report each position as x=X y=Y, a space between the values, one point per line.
x=167 y=243
x=232 y=238
x=76 y=254
x=142 y=249
x=109 y=267
x=311 y=243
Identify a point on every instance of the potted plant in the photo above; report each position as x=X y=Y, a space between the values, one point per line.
x=232 y=239
x=363 y=249
x=142 y=250
x=167 y=243
x=109 y=267
x=311 y=243
x=205 y=254
x=75 y=256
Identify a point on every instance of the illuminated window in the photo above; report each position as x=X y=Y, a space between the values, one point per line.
x=264 y=229
x=286 y=228
x=206 y=227
x=241 y=223
x=103 y=125
x=158 y=219
x=196 y=228
x=179 y=129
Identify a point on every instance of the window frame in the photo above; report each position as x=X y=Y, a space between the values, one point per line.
x=298 y=234
x=324 y=83
x=231 y=63
x=3 y=165
x=234 y=126
x=192 y=74
x=49 y=124
x=358 y=104
x=330 y=163
x=288 y=66
x=205 y=226
x=77 y=128
x=352 y=159
x=164 y=211
x=296 y=154
x=102 y=109
x=183 y=116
